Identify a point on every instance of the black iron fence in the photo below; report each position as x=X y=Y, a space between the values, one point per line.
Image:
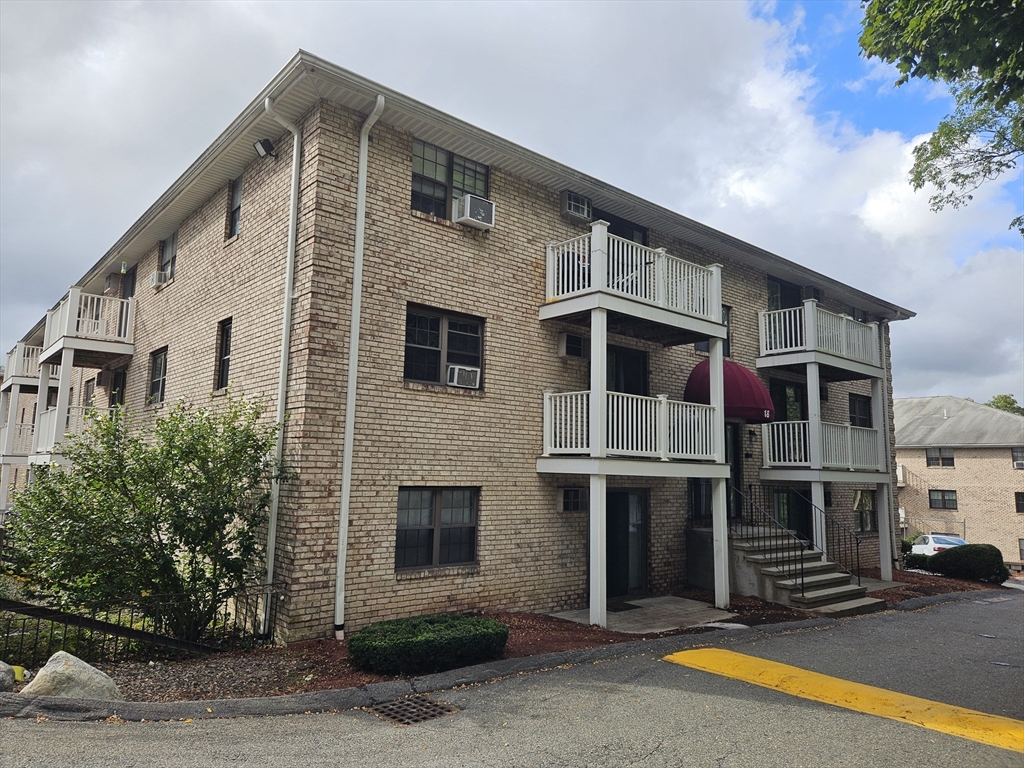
x=30 y=634
x=755 y=522
x=842 y=544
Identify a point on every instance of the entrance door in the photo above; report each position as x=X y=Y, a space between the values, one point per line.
x=789 y=399
x=626 y=520
x=793 y=510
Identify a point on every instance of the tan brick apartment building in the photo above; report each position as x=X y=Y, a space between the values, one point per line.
x=961 y=471
x=484 y=393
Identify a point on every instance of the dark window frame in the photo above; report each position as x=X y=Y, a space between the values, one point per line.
x=169 y=254
x=444 y=348
x=939 y=457
x=941 y=499
x=866 y=511
x=410 y=556
x=574 y=500
x=860 y=411
x=234 y=207
x=1018 y=499
x=440 y=177
x=223 y=354
x=118 y=384
x=705 y=346
x=157 y=375
x=1016 y=454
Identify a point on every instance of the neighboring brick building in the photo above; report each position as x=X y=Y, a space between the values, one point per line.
x=961 y=471
x=468 y=478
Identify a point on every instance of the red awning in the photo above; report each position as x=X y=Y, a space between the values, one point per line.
x=745 y=395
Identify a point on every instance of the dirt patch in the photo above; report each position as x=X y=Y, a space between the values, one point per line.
x=922 y=585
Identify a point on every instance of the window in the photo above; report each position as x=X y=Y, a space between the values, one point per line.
x=434 y=341
x=1017 y=454
x=439 y=176
x=857 y=314
x=223 y=353
x=235 y=211
x=1020 y=548
x=436 y=526
x=118 y=381
x=90 y=392
x=783 y=295
x=575 y=500
x=169 y=254
x=1018 y=498
x=157 y=375
x=942 y=499
x=705 y=346
x=938 y=457
x=864 y=507
x=860 y=411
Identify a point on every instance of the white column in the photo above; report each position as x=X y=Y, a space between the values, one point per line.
x=818 y=515
x=599 y=550
x=811 y=324
x=716 y=384
x=67 y=362
x=885 y=527
x=42 y=396
x=5 y=479
x=720 y=538
x=599 y=255
x=10 y=406
x=598 y=381
x=814 y=415
x=878 y=396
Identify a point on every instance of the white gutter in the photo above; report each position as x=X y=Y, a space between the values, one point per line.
x=286 y=338
x=353 y=373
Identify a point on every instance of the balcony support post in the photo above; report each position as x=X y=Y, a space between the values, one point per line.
x=548 y=426
x=814 y=415
x=5 y=479
x=42 y=398
x=715 y=293
x=884 y=530
x=74 y=310
x=717 y=396
x=876 y=345
x=663 y=430
x=598 y=550
x=811 y=324
x=720 y=541
x=598 y=255
x=878 y=396
x=818 y=516
x=661 y=277
x=10 y=412
x=598 y=382
x=67 y=362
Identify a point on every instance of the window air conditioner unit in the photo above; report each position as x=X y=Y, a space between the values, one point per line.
x=158 y=279
x=576 y=207
x=1018 y=465
x=474 y=212
x=463 y=376
x=571 y=345
x=103 y=379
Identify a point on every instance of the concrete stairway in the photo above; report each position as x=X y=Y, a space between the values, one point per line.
x=827 y=590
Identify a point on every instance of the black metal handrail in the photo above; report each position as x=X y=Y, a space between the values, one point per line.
x=842 y=544
x=769 y=537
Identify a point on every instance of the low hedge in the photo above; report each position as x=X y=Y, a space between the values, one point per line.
x=974 y=562
x=920 y=562
x=427 y=644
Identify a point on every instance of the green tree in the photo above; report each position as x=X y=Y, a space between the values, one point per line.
x=977 y=46
x=1006 y=403
x=171 y=509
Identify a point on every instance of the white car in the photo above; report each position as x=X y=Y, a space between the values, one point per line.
x=929 y=545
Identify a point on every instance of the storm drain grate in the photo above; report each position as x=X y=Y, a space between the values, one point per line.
x=411 y=710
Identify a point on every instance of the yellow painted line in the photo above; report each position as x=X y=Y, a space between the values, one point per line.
x=1003 y=732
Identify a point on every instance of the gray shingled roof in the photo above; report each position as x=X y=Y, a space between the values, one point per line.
x=953 y=421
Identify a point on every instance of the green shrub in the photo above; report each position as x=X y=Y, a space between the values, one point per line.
x=974 y=562
x=906 y=546
x=427 y=644
x=919 y=562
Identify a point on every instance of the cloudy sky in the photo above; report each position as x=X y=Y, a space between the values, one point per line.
x=759 y=119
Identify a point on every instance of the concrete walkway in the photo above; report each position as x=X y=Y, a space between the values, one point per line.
x=653 y=614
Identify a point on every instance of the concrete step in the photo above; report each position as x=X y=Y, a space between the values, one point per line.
x=816 y=581
x=774 y=542
x=786 y=556
x=851 y=607
x=830 y=595
x=811 y=567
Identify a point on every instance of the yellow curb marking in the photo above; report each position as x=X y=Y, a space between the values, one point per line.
x=1003 y=732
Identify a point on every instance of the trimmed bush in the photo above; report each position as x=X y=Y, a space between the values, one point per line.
x=920 y=562
x=427 y=644
x=974 y=562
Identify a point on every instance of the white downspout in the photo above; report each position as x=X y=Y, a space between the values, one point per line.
x=286 y=338
x=353 y=373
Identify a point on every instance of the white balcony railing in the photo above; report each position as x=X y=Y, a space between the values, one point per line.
x=787 y=444
x=86 y=315
x=23 y=360
x=811 y=328
x=20 y=436
x=645 y=427
x=74 y=424
x=648 y=275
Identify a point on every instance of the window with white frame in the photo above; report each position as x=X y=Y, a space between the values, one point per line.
x=436 y=527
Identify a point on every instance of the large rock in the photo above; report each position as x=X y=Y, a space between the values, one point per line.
x=6 y=678
x=71 y=678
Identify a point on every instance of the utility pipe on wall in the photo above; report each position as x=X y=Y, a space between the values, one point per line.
x=286 y=337
x=353 y=371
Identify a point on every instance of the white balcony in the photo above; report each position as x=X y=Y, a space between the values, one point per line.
x=75 y=422
x=842 y=446
x=22 y=363
x=101 y=327
x=599 y=269
x=811 y=329
x=20 y=437
x=638 y=427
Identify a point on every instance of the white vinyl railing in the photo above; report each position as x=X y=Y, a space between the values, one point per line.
x=20 y=436
x=645 y=427
x=75 y=422
x=23 y=360
x=811 y=328
x=787 y=444
x=602 y=262
x=90 y=316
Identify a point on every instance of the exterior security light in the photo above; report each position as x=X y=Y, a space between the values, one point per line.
x=265 y=147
